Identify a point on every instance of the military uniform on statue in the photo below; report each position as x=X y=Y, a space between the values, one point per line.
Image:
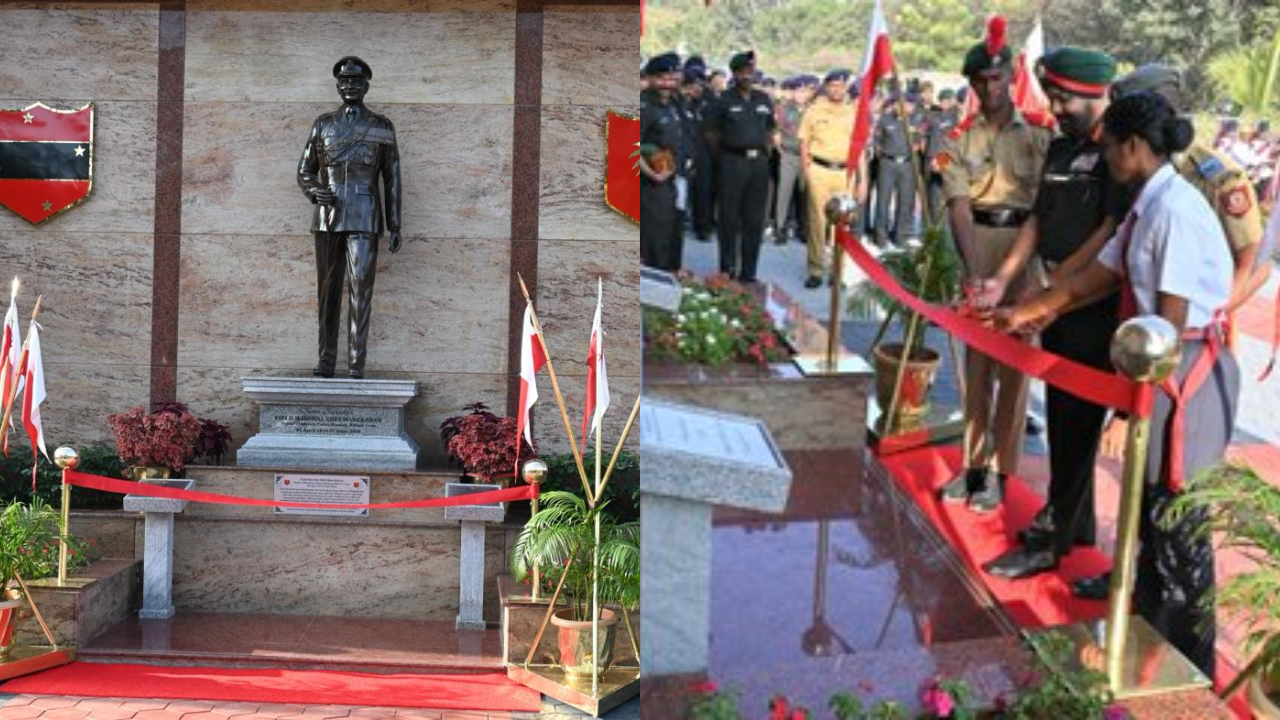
x=347 y=153
x=1077 y=208
x=991 y=171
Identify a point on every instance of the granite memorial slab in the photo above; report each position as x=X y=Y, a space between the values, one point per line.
x=694 y=459
x=471 y=557
x=330 y=423
x=660 y=290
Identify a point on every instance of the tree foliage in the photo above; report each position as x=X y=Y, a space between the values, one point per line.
x=813 y=35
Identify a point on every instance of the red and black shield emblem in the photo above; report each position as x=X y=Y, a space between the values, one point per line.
x=622 y=176
x=46 y=160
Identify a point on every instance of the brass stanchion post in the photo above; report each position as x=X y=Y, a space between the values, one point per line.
x=534 y=472
x=66 y=458
x=1146 y=349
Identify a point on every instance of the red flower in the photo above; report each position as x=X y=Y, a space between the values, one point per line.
x=705 y=687
x=779 y=708
x=866 y=686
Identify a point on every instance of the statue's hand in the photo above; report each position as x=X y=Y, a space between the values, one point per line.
x=395 y=242
x=324 y=196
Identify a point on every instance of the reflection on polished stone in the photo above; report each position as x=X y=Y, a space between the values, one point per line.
x=847 y=589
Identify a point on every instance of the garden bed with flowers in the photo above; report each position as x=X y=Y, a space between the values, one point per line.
x=733 y=348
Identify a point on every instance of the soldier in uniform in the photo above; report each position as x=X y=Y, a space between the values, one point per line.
x=697 y=100
x=896 y=178
x=825 y=130
x=661 y=141
x=991 y=167
x=788 y=113
x=941 y=119
x=741 y=129
x=347 y=153
x=1077 y=208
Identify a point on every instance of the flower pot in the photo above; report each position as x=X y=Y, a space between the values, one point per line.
x=148 y=472
x=913 y=399
x=576 y=656
x=1264 y=696
x=10 y=604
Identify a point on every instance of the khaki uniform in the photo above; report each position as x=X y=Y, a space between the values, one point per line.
x=994 y=168
x=826 y=129
x=1226 y=186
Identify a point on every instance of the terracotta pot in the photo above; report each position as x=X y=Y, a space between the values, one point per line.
x=913 y=399
x=1264 y=697
x=576 y=656
x=10 y=604
x=149 y=472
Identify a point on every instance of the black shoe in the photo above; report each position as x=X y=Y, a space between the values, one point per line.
x=1041 y=529
x=988 y=496
x=356 y=374
x=958 y=489
x=779 y=238
x=1033 y=426
x=813 y=282
x=1097 y=587
x=1022 y=563
x=322 y=371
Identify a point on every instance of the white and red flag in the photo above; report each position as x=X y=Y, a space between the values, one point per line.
x=10 y=351
x=877 y=63
x=32 y=396
x=597 y=378
x=1028 y=96
x=532 y=357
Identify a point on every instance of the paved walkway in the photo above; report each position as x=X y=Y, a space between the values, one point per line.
x=16 y=707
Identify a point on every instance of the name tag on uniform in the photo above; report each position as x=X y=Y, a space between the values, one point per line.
x=762 y=109
x=1085 y=163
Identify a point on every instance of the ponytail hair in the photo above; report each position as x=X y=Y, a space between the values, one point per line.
x=1149 y=116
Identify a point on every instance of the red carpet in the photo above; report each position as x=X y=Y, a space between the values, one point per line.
x=1035 y=602
x=487 y=691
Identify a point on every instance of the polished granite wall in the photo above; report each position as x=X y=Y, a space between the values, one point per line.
x=158 y=289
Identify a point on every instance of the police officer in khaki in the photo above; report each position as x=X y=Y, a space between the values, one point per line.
x=824 y=135
x=991 y=166
x=1222 y=182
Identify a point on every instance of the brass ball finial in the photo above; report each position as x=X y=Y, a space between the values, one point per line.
x=66 y=457
x=534 y=471
x=841 y=209
x=1146 y=348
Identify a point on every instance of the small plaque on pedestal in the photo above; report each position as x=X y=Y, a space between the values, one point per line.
x=324 y=490
x=322 y=423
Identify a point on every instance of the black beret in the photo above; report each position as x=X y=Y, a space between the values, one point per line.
x=351 y=66
x=664 y=63
x=838 y=75
x=742 y=59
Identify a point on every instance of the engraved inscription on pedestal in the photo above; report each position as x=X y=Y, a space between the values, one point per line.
x=320 y=423
x=304 y=420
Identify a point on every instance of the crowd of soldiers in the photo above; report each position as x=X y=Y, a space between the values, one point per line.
x=1065 y=226
x=755 y=159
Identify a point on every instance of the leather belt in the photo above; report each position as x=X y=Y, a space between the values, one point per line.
x=894 y=158
x=829 y=164
x=748 y=153
x=1000 y=217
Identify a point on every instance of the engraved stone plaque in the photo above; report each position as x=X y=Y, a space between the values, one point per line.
x=329 y=489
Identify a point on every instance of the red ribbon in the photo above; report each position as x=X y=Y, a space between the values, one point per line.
x=1179 y=394
x=1099 y=387
x=126 y=487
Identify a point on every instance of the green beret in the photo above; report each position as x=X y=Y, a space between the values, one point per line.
x=1086 y=73
x=742 y=59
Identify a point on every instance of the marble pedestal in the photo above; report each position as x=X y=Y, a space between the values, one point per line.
x=471 y=557
x=157 y=558
x=330 y=423
x=693 y=459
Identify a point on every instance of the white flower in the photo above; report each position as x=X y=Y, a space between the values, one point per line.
x=735 y=323
x=687 y=291
x=711 y=339
x=680 y=318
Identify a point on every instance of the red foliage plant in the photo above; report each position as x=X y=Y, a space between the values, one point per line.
x=483 y=443
x=165 y=437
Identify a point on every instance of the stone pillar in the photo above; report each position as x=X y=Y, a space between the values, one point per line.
x=471 y=558
x=675 y=564
x=157 y=563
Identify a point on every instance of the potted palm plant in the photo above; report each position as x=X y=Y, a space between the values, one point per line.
x=1242 y=510
x=561 y=539
x=931 y=271
x=29 y=536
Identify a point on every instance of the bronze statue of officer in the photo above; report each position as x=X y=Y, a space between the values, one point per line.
x=348 y=152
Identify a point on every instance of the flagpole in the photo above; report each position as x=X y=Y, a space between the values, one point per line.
x=555 y=385
x=595 y=574
x=635 y=410
x=22 y=360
